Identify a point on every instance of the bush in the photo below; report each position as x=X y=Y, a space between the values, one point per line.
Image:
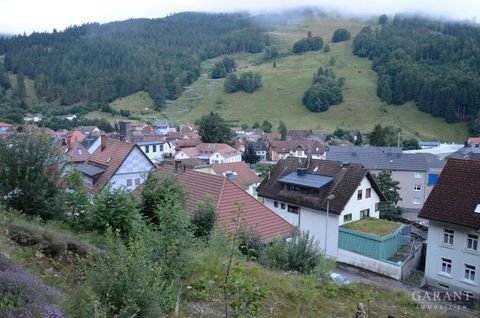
x=114 y=208
x=301 y=254
x=341 y=35
x=204 y=218
x=127 y=281
x=250 y=243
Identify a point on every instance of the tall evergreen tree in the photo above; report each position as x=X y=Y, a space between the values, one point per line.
x=213 y=129
x=377 y=136
x=282 y=130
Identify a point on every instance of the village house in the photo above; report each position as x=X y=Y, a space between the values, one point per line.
x=261 y=149
x=229 y=199
x=453 y=214
x=210 y=153
x=116 y=163
x=320 y=195
x=164 y=127
x=297 y=148
x=416 y=173
x=238 y=172
x=32 y=118
x=156 y=149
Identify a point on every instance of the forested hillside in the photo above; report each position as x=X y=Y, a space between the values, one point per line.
x=101 y=62
x=434 y=63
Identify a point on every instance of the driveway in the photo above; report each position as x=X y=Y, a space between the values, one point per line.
x=358 y=275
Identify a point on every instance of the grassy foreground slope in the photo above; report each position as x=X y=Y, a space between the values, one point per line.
x=284 y=294
x=280 y=98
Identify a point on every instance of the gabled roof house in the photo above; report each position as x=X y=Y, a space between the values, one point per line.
x=453 y=212
x=118 y=163
x=319 y=195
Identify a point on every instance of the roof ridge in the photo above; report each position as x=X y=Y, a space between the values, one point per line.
x=221 y=192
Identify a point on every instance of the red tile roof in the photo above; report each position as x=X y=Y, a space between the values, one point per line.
x=5 y=124
x=75 y=135
x=227 y=196
x=455 y=195
x=111 y=157
x=474 y=140
x=244 y=175
x=77 y=152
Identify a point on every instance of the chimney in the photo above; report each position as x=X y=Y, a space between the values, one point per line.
x=178 y=163
x=301 y=171
x=103 y=142
x=125 y=128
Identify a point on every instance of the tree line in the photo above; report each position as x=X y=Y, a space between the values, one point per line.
x=101 y=62
x=434 y=63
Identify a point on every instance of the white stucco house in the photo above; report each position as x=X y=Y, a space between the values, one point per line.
x=156 y=150
x=453 y=214
x=210 y=153
x=117 y=163
x=320 y=195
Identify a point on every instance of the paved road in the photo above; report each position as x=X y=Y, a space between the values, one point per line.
x=358 y=275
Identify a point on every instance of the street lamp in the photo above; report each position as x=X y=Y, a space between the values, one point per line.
x=329 y=198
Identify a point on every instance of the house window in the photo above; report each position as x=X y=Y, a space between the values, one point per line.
x=472 y=242
x=417 y=200
x=80 y=152
x=448 y=236
x=137 y=181
x=154 y=148
x=275 y=204
x=432 y=179
x=446 y=266
x=293 y=209
x=418 y=175
x=470 y=272
x=147 y=149
x=347 y=217
x=377 y=206
x=129 y=182
x=417 y=187
x=368 y=193
x=364 y=214
x=160 y=147
x=359 y=194
x=282 y=206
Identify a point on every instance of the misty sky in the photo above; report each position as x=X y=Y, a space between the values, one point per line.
x=18 y=16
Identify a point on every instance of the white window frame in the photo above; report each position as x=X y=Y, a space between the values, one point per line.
x=147 y=149
x=446 y=268
x=469 y=273
x=275 y=204
x=418 y=174
x=345 y=217
x=417 y=200
x=448 y=237
x=137 y=181
x=472 y=242
x=417 y=187
x=129 y=182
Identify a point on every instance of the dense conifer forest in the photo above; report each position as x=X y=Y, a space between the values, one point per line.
x=101 y=62
x=434 y=63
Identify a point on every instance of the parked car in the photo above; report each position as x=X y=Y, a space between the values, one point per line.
x=339 y=279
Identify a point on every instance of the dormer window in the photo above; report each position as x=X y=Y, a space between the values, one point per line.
x=477 y=208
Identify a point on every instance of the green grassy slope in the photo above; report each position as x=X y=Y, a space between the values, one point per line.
x=280 y=98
